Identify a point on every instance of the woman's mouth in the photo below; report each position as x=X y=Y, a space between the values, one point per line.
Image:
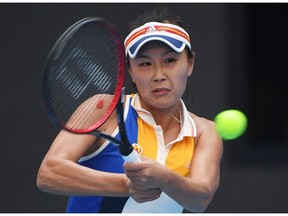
x=160 y=91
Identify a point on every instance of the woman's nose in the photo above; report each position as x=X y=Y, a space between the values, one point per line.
x=159 y=74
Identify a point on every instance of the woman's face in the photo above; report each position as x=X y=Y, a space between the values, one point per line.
x=160 y=74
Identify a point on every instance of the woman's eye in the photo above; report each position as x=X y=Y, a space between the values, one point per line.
x=169 y=60
x=145 y=64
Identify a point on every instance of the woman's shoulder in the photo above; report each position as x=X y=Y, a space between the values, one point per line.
x=206 y=131
x=202 y=123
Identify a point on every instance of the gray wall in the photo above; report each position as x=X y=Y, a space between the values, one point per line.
x=234 y=44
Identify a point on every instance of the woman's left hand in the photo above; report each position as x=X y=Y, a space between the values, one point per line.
x=143 y=179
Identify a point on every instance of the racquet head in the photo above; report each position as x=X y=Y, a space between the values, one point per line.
x=84 y=76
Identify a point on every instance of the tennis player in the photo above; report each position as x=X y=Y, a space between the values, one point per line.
x=180 y=151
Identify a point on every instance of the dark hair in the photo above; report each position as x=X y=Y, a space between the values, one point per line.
x=163 y=15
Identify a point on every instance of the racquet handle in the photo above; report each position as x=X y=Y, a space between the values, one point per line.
x=132 y=157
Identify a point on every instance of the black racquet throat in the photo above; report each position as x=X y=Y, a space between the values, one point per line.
x=83 y=81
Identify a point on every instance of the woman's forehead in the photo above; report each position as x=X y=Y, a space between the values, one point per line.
x=155 y=45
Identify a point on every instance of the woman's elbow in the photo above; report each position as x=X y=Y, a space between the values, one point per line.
x=44 y=180
x=202 y=204
x=203 y=201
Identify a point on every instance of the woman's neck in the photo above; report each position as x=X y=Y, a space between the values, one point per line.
x=170 y=120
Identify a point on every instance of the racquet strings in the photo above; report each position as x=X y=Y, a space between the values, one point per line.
x=81 y=78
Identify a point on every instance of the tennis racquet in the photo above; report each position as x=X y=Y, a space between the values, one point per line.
x=83 y=81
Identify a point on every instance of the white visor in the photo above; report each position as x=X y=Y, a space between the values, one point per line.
x=172 y=35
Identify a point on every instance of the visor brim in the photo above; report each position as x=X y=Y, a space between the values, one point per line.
x=175 y=44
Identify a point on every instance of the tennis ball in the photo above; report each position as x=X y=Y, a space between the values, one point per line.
x=230 y=124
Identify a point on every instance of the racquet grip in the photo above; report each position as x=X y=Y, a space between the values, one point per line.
x=132 y=157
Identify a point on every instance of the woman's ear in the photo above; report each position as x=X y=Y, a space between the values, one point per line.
x=191 y=64
x=131 y=74
x=129 y=70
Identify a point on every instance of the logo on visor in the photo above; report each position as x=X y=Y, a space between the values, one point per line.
x=137 y=148
x=150 y=29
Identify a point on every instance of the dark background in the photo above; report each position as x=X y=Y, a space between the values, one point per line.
x=241 y=62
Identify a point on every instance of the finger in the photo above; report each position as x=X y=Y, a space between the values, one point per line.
x=132 y=167
x=145 y=197
x=146 y=192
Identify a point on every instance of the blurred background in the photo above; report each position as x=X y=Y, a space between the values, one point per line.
x=241 y=63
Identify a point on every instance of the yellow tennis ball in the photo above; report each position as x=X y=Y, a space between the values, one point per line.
x=231 y=124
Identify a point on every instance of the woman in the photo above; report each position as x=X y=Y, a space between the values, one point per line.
x=180 y=152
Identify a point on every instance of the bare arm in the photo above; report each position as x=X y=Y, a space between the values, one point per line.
x=194 y=192
x=60 y=174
